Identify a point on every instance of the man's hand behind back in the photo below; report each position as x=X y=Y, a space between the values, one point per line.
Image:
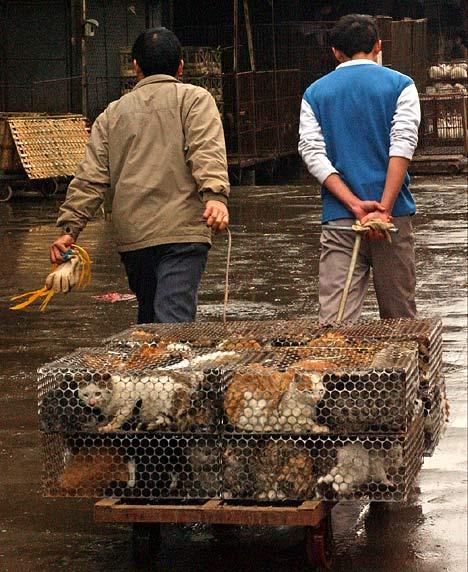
x=376 y=215
x=216 y=215
x=368 y=210
x=363 y=208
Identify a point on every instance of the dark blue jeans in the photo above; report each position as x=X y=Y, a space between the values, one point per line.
x=165 y=279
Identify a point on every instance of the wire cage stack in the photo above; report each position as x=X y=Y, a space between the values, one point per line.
x=275 y=334
x=427 y=333
x=448 y=78
x=202 y=67
x=443 y=128
x=272 y=411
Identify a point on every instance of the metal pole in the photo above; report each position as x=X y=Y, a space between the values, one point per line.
x=236 y=36
x=84 y=67
x=235 y=67
x=252 y=75
x=249 y=35
x=465 y=122
x=273 y=32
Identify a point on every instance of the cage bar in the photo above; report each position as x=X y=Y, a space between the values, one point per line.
x=443 y=128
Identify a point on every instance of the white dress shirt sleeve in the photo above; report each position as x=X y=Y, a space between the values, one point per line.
x=312 y=147
x=405 y=124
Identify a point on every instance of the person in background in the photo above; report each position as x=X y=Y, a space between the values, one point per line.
x=160 y=151
x=459 y=49
x=358 y=132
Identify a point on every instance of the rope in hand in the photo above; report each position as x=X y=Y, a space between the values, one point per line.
x=360 y=230
x=379 y=225
x=226 y=279
x=74 y=272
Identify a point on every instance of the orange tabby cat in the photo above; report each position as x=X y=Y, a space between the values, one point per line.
x=261 y=399
x=91 y=470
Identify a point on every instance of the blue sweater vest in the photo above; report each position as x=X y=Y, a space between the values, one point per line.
x=354 y=106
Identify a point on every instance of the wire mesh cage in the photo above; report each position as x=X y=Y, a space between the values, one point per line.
x=146 y=389
x=190 y=410
x=246 y=334
x=202 y=67
x=436 y=416
x=241 y=467
x=253 y=335
x=152 y=466
x=443 y=122
x=427 y=332
x=261 y=117
x=201 y=60
x=330 y=467
x=451 y=73
x=322 y=390
x=179 y=389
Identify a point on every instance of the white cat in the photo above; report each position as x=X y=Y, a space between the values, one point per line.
x=357 y=466
x=213 y=359
x=165 y=399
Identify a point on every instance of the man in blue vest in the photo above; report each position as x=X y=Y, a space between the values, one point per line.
x=358 y=132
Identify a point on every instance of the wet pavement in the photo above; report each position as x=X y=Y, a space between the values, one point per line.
x=274 y=274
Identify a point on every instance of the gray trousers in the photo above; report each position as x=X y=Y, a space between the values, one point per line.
x=393 y=272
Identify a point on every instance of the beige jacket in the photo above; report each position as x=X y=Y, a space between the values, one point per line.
x=160 y=150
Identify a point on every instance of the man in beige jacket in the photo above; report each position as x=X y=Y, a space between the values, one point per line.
x=160 y=150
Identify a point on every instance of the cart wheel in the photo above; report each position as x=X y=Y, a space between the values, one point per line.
x=49 y=188
x=6 y=192
x=319 y=544
x=146 y=540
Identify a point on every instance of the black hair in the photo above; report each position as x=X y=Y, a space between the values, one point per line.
x=354 y=33
x=157 y=51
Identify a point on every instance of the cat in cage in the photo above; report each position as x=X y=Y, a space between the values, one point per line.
x=270 y=471
x=94 y=471
x=357 y=465
x=260 y=399
x=63 y=411
x=172 y=400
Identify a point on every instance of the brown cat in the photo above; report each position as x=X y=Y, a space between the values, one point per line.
x=273 y=471
x=261 y=399
x=283 y=471
x=139 y=358
x=90 y=471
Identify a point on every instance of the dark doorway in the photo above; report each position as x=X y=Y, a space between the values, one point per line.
x=35 y=48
